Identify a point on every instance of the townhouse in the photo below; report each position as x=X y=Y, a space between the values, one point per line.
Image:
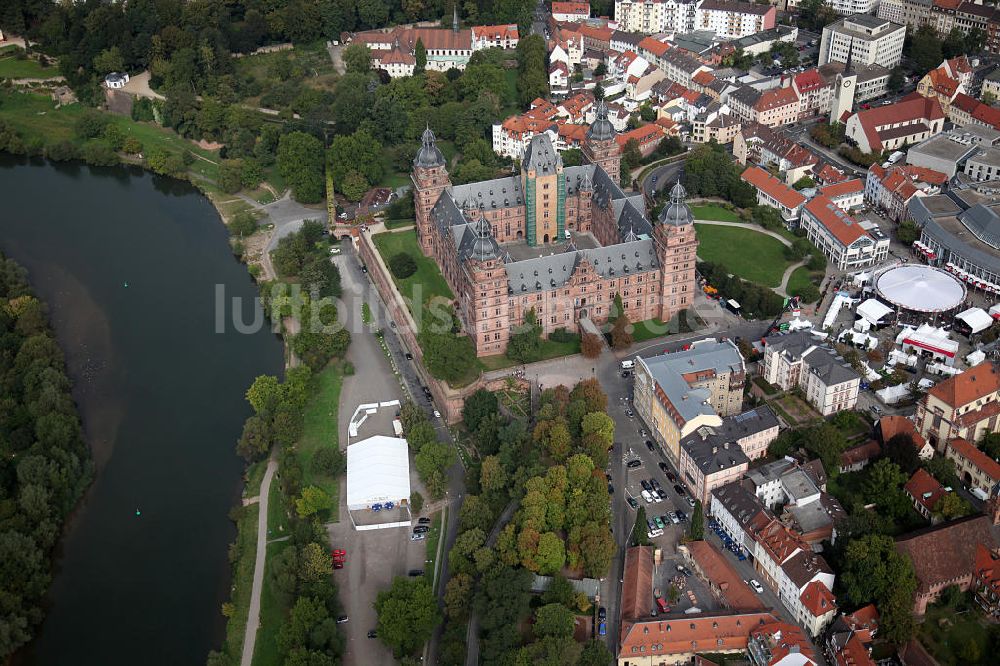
x=570 y=11
x=815 y=93
x=911 y=120
x=924 y=492
x=848 y=195
x=976 y=469
x=849 y=640
x=968 y=111
x=890 y=189
x=986 y=580
x=715 y=123
x=761 y=145
x=890 y=426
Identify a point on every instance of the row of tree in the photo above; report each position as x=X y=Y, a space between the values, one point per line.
x=756 y=301
x=44 y=461
x=711 y=172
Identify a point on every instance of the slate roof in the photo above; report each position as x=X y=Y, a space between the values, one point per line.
x=541 y=156
x=831 y=369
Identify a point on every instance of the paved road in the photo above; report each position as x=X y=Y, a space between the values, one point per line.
x=253 y=617
x=661 y=177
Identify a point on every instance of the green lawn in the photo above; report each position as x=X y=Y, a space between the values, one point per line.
x=712 y=212
x=395 y=224
x=254 y=475
x=246 y=554
x=427 y=282
x=655 y=328
x=35 y=116
x=955 y=638
x=273 y=611
x=319 y=429
x=277 y=512
x=801 y=277
x=550 y=349
x=14 y=68
x=745 y=253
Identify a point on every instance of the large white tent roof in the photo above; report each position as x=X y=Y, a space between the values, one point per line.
x=976 y=319
x=378 y=470
x=920 y=288
x=873 y=310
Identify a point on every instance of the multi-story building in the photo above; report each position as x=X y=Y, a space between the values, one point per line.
x=984 y=164
x=976 y=469
x=848 y=195
x=652 y=16
x=570 y=11
x=890 y=189
x=848 y=7
x=713 y=456
x=948 y=152
x=849 y=641
x=761 y=145
x=964 y=406
x=774 y=193
x=734 y=20
x=968 y=111
x=986 y=580
x=773 y=107
x=676 y=64
x=780 y=644
x=796 y=360
x=675 y=394
x=911 y=120
x=845 y=243
x=815 y=92
x=392 y=49
x=560 y=242
x=924 y=492
x=715 y=123
x=862 y=40
x=911 y=13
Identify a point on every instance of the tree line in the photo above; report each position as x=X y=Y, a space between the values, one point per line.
x=44 y=461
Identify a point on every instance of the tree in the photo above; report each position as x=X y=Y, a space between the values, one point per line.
x=420 y=54
x=990 y=444
x=901 y=450
x=109 y=60
x=590 y=345
x=243 y=224
x=884 y=478
x=458 y=596
x=551 y=554
x=402 y=265
x=264 y=394
x=951 y=506
x=313 y=500
x=598 y=90
x=554 y=619
x=621 y=336
x=416 y=502
x=314 y=563
x=875 y=571
x=407 y=615
x=595 y=653
x=357 y=59
x=640 y=531
x=492 y=476
x=300 y=162
x=896 y=80
x=907 y=232
x=532 y=78
x=827 y=443
x=359 y=152
x=477 y=407
x=698 y=521
x=525 y=345
x=600 y=424
x=926 y=48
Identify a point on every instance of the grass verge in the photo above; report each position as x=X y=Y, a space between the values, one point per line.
x=245 y=552
x=433 y=539
x=745 y=253
x=550 y=349
x=396 y=224
x=16 y=68
x=801 y=277
x=319 y=429
x=273 y=609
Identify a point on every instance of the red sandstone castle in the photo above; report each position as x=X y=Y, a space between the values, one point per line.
x=560 y=240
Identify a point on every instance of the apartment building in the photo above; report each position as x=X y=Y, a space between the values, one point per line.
x=849 y=7
x=968 y=111
x=911 y=13
x=764 y=146
x=848 y=195
x=734 y=20
x=839 y=236
x=976 y=469
x=965 y=406
x=890 y=189
x=864 y=39
x=675 y=394
x=796 y=360
x=570 y=11
x=653 y=16
x=774 y=193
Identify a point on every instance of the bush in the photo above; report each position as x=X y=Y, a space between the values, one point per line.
x=402 y=265
x=330 y=461
x=807 y=293
x=416 y=502
x=91 y=124
x=97 y=153
x=62 y=151
x=132 y=146
x=243 y=224
x=562 y=335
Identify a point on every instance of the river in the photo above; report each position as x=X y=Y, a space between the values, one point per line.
x=129 y=264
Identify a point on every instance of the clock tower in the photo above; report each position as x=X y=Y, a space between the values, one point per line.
x=844 y=88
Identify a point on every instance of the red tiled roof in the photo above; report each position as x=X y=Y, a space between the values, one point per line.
x=397 y=57
x=947 y=4
x=947 y=551
x=809 y=80
x=668 y=125
x=981 y=112
x=818 y=599
x=829 y=174
x=717 y=632
x=856 y=454
x=637 y=583
x=864 y=621
x=713 y=564
x=977 y=457
x=843 y=188
x=703 y=78
x=572 y=133
x=969 y=386
x=844 y=228
x=853 y=653
x=773 y=187
x=924 y=489
x=941 y=83
x=642 y=134
x=776 y=98
x=784 y=639
x=894 y=425
x=599 y=34
x=654 y=46
x=910 y=109
x=495 y=32
x=579 y=8
x=987 y=568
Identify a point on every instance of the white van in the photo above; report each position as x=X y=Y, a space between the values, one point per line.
x=628 y=365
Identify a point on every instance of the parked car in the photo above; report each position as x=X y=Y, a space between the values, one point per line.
x=646 y=485
x=633 y=464
x=631 y=502
x=602 y=613
x=417 y=537
x=670 y=477
x=679 y=489
x=409 y=356
x=372 y=634
x=646 y=496
x=655 y=484
x=628 y=413
x=757 y=587
x=424 y=520
x=413 y=573
x=673 y=518
x=602 y=629
x=690 y=501
x=650 y=445
x=342 y=619
x=661 y=493
x=665 y=469
x=659 y=522
x=421 y=529
x=611 y=489
x=681 y=516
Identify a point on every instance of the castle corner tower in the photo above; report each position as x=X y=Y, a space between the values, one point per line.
x=430 y=179
x=676 y=245
x=601 y=148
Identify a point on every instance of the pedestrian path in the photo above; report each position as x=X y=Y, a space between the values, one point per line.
x=253 y=616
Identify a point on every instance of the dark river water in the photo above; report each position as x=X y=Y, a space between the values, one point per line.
x=130 y=265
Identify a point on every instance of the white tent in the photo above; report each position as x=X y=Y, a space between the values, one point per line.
x=890 y=395
x=927 y=338
x=378 y=471
x=976 y=319
x=873 y=311
x=975 y=358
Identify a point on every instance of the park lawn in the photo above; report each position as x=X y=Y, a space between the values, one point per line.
x=712 y=212
x=254 y=476
x=246 y=556
x=427 y=282
x=277 y=512
x=319 y=429
x=396 y=224
x=36 y=116
x=14 y=68
x=273 y=612
x=550 y=349
x=314 y=59
x=745 y=253
x=799 y=278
